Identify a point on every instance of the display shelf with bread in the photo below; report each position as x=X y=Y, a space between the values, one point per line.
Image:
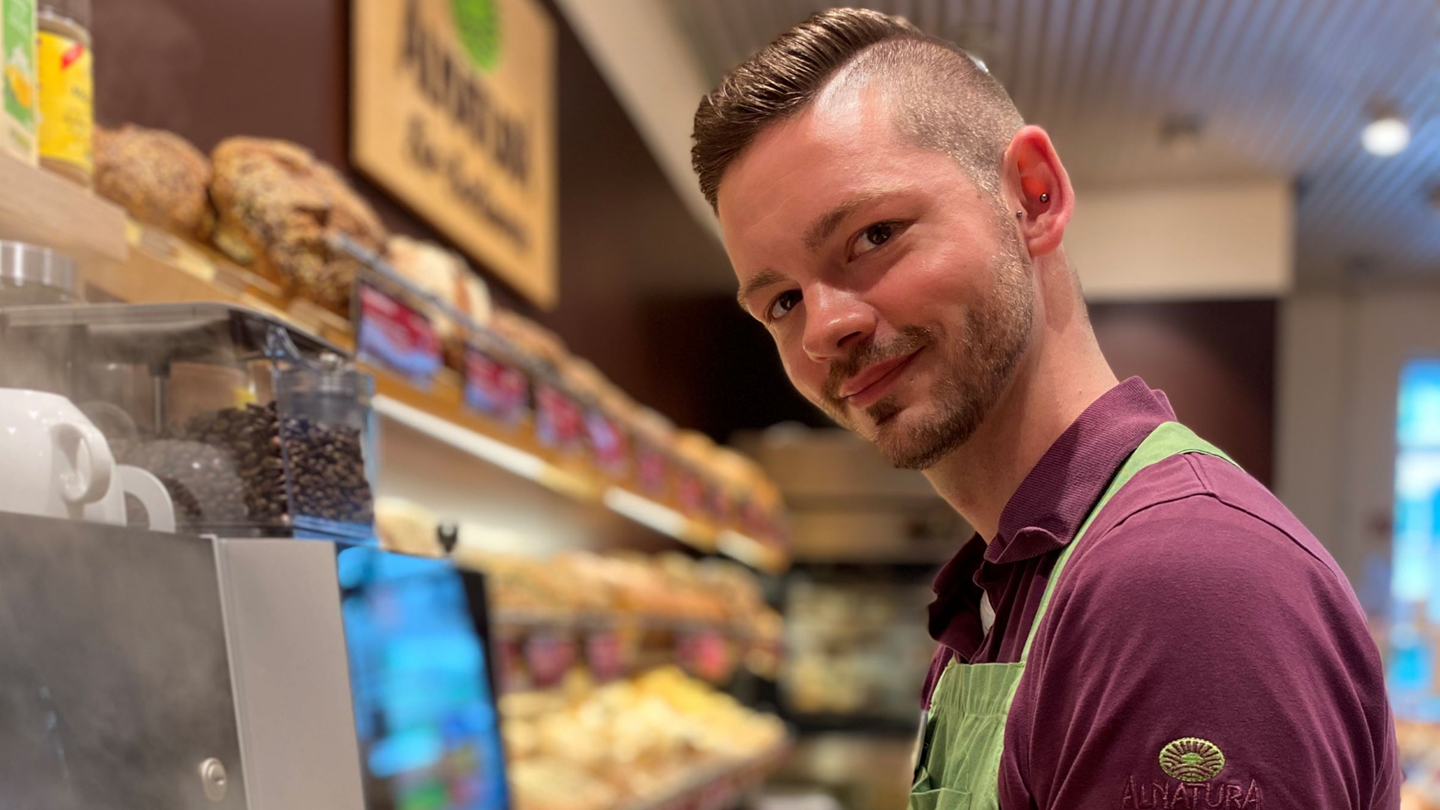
x=615 y=614
x=266 y=225
x=658 y=741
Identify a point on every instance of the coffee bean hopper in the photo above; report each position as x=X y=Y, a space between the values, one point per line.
x=256 y=428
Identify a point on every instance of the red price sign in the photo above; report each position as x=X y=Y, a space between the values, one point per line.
x=706 y=654
x=650 y=470
x=392 y=334
x=559 y=421
x=548 y=657
x=606 y=656
x=494 y=388
x=692 y=493
x=607 y=441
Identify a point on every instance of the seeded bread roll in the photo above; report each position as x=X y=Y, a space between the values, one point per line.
x=276 y=206
x=529 y=337
x=160 y=178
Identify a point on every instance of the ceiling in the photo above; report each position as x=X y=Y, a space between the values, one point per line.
x=1279 y=88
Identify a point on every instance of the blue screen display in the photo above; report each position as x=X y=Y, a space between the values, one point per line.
x=424 y=712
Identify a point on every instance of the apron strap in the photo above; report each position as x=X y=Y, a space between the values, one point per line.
x=1168 y=439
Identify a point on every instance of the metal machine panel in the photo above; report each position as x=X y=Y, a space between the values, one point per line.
x=292 y=684
x=114 y=675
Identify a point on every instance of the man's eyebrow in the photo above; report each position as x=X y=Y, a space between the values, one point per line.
x=830 y=220
x=757 y=282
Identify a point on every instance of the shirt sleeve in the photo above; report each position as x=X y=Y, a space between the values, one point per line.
x=1198 y=657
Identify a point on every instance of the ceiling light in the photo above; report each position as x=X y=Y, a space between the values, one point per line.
x=1387 y=134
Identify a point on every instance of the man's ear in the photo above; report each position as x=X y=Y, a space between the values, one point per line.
x=1038 y=189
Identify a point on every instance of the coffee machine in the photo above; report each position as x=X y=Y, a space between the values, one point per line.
x=171 y=671
x=264 y=655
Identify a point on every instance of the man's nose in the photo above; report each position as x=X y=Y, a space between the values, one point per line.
x=835 y=321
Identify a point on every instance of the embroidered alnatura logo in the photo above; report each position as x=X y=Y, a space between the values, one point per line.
x=1193 y=762
x=1191 y=796
x=1191 y=759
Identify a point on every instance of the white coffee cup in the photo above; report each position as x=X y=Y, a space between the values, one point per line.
x=55 y=463
x=128 y=480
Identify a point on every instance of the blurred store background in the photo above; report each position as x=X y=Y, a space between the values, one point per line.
x=698 y=592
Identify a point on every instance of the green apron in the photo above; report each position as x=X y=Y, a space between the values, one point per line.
x=964 y=731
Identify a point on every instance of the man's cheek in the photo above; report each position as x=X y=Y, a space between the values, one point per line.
x=806 y=379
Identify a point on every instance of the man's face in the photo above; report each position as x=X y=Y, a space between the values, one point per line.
x=898 y=295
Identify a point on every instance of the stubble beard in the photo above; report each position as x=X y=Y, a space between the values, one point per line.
x=975 y=371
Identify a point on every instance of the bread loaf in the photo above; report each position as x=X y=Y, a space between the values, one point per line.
x=158 y=177
x=276 y=206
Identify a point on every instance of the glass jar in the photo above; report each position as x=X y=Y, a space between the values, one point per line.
x=31 y=275
x=67 y=89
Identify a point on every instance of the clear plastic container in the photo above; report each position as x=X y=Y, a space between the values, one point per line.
x=32 y=275
x=256 y=428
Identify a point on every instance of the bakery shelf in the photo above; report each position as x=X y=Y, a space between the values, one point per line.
x=147 y=265
x=45 y=209
x=717 y=787
x=610 y=647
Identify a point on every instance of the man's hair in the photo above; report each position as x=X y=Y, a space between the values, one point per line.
x=945 y=101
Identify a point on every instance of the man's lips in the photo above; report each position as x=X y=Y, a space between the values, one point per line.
x=867 y=387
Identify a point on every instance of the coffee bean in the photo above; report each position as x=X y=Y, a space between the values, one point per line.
x=229 y=467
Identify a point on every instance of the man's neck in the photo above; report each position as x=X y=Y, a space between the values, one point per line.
x=1063 y=374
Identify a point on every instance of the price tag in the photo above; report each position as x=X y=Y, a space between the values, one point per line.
x=722 y=506
x=607 y=441
x=650 y=471
x=559 y=423
x=495 y=388
x=692 y=493
x=548 y=657
x=395 y=335
x=605 y=655
x=705 y=654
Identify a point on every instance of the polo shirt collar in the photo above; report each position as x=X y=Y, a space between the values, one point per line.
x=1047 y=509
x=1052 y=501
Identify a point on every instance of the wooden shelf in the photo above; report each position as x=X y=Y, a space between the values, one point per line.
x=46 y=209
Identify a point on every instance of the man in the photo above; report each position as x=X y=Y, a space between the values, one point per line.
x=1138 y=623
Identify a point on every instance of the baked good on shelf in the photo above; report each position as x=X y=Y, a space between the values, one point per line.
x=158 y=177
x=428 y=266
x=445 y=275
x=407 y=527
x=530 y=338
x=276 y=206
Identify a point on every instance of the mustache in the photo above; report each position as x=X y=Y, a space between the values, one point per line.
x=868 y=354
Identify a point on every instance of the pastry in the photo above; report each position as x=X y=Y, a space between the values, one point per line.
x=158 y=177
x=444 y=275
x=530 y=338
x=276 y=209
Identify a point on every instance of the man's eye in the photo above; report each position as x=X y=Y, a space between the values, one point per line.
x=873 y=237
x=781 y=306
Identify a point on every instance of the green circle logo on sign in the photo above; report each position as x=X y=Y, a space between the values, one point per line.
x=478 y=24
x=1191 y=759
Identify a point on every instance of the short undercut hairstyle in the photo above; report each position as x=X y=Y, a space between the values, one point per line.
x=942 y=99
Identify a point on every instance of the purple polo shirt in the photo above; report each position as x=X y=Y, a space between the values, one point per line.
x=1195 y=606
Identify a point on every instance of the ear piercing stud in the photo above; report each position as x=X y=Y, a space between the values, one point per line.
x=1045 y=198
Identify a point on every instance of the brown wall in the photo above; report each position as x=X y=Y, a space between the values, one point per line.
x=1214 y=359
